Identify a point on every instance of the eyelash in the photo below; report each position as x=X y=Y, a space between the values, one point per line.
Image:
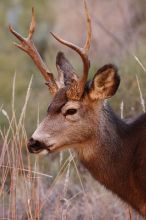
x=70 y=112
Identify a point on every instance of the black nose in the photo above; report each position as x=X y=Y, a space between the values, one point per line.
x=34 y=146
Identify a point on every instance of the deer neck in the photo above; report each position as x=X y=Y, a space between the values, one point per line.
x=104 y=155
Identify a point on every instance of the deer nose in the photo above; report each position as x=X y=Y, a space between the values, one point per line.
x=34 y=146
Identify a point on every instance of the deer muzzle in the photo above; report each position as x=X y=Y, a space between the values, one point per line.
x=35 y=146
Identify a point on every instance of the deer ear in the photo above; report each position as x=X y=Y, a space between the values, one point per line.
x=66 y=71
x=105 y=83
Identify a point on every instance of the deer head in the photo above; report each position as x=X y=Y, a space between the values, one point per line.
x=72 y=116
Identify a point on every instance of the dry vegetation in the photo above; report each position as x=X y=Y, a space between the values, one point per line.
x=56 y=186
x=34 y=187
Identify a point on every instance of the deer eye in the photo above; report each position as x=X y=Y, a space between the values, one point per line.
x=70 y=111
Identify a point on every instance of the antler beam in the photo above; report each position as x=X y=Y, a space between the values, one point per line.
x=27 y=45
x=83 y=52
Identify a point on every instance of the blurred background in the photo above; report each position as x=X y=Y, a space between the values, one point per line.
x=118 y=36
x=119 y=33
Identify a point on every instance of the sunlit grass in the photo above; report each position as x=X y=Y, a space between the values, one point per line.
x=19 y=171
x=30 y=185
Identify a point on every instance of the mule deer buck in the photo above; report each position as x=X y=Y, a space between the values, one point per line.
x=79 y=117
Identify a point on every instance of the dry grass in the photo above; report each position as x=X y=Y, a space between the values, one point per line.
x=26 y=192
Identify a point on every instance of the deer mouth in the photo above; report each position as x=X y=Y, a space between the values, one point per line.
x=46 y=150
x=54 y=148
x=36 y=147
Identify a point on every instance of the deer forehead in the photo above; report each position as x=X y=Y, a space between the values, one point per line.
x=58 y=102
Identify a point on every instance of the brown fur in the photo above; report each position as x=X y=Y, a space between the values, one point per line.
x=114 y=151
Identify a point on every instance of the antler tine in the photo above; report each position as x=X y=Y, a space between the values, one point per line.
x=27 y=45
x=83 y=52
x=89 y=30
x=32 y=25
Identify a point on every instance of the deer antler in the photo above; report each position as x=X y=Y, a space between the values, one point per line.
x=83 y=52
x=27 y=45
